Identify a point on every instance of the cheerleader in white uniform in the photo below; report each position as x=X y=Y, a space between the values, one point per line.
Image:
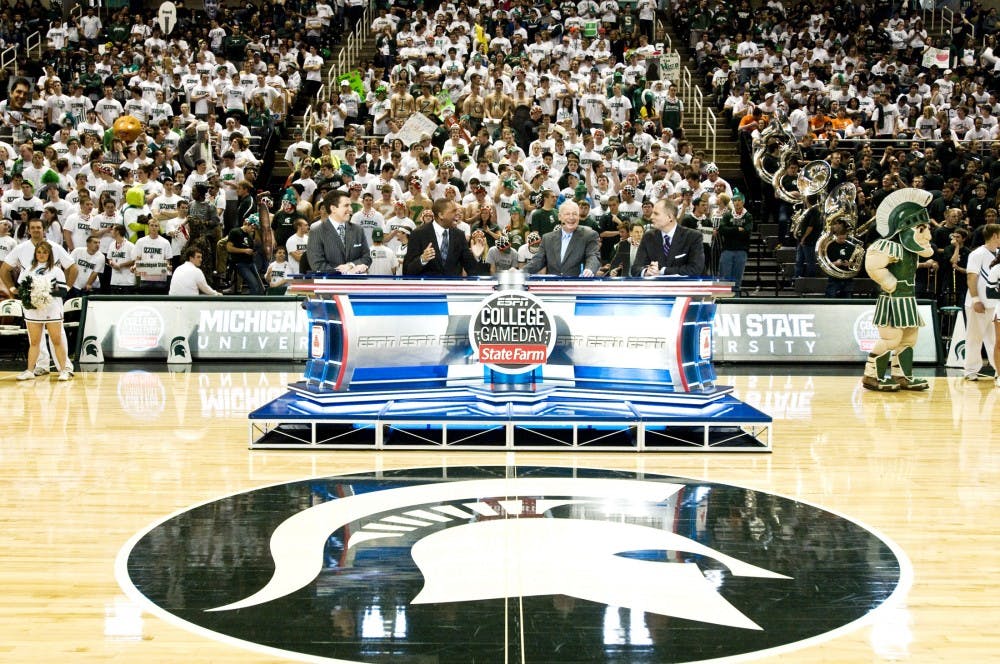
x=49 y=316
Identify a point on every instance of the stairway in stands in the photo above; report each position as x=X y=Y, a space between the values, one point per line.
x=281 y=169
x=764 y=275
x=727 y=156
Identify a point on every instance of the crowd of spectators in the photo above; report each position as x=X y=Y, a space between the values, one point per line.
x=867 y=88
x=530 y=105
x=540 y=104
x=208 y=96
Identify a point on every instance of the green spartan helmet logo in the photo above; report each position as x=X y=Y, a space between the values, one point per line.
x=90 y=347
x=178 y=347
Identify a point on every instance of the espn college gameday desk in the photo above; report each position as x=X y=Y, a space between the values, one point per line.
x=486 y=364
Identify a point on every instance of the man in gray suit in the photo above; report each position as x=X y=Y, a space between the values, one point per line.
x=335 y=244
x=571 y=250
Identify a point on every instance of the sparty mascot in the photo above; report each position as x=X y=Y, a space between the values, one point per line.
x=903 y=223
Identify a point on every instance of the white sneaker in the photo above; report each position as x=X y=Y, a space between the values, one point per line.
x=41 y=371
x=25 y=375
x=64 y=376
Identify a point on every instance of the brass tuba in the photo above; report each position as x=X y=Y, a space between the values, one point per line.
x=812 y=181
x=814 y=178
x=778 y=130
x=841 y=206
x=787 y=154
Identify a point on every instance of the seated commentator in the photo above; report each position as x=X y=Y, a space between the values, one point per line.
x=438 y=249
x=667 y=248
x=571 y=250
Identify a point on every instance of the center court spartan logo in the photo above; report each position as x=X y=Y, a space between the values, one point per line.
x=534 y=567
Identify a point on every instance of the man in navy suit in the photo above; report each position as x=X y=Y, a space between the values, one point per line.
x=439 y=249
x=335 y=244
x=667 y=248
x=571 y=250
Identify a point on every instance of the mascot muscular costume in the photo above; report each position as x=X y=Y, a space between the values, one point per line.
x=903 y=223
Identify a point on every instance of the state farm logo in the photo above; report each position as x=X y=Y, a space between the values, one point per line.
x=142 y=395
x=512 y=333
x=139 y=329
x=317 y=345
x=705 y=343
x=865 y=332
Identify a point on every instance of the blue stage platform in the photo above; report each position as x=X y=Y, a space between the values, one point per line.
x=483 y=364
x=466 y=418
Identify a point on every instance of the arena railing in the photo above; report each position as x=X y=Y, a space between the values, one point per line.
x=947 y=19
x=685 y=86
x=661 y=34
x=939 y=19
x=357 y=38
x=331 y=73
x=930 y=18
x=700 y=116
x=341 y=64
x=903 y=144
x=699 y=105
x=710 y=132
x=347 y=55
x=307 y=128
x=33 y=42
x=9 y=56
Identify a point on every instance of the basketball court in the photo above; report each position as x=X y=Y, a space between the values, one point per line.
x=108 y=552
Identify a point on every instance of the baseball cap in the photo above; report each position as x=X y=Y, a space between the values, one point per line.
x=377 y=234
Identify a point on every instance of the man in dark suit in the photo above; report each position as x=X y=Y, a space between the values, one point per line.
x=571 y=250
x=439 y=249
x=625 y=252
x=335 y=244
x=667 y=248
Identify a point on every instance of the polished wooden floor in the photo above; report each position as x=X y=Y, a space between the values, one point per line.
x=87 y=464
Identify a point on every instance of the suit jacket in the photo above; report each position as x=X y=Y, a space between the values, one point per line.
x=326 y=251
x=582 y=252
x=623 y=257
x=687 y=253
x=460 y=256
